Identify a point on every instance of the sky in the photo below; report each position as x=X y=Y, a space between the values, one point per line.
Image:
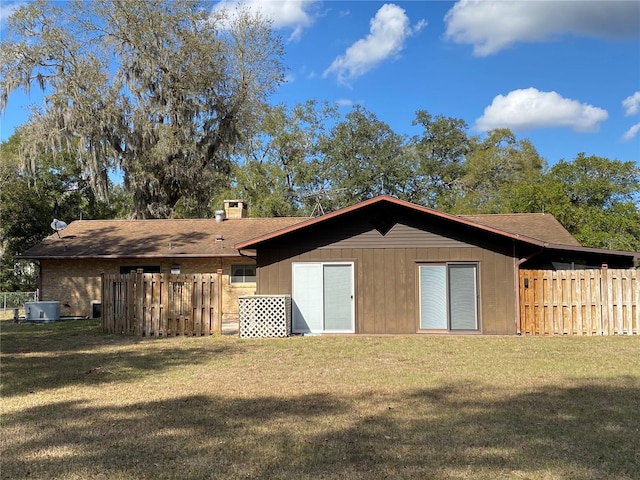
x=563 y=74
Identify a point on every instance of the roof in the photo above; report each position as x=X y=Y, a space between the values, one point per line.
x=539 y=230
x=154 y=238
x=202 y=238
x=541 y=226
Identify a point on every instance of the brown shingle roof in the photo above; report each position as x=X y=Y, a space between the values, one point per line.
x=208 y=238
x=541 y=226
x=154 y=238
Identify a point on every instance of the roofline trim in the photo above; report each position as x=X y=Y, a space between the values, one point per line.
x=620 y=253
x=126 y=257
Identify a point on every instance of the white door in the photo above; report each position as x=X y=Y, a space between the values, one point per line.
x=323 y=297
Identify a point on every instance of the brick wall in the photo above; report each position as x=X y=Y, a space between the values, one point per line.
x=76 y=283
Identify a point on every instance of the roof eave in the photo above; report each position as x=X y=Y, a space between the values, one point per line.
x=128 y=257
x=598 y=251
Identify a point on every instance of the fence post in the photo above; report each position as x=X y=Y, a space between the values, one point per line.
x=219 y=319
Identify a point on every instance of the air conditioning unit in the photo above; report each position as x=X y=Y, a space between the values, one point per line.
x=42 y=311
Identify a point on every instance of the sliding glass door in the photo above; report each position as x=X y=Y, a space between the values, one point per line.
x=323 y=297
x=448 y=296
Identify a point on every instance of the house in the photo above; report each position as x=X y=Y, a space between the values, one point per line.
x=71 y=261
x=381 y=266
x=386 y=266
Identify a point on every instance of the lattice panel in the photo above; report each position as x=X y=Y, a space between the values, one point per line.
x=265 y=316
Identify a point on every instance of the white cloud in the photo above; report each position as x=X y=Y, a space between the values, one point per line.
x=387 y=34
x=530 y=108
x=344 y=102
x=631 y=133
x=631 y=104
x=293 y=14
x=491 y=26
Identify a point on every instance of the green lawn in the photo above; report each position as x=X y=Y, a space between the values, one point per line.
x=79 y=404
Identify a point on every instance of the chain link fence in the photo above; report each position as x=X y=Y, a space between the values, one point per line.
x=11 y=300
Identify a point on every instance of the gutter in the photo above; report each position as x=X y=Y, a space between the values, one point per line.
x=252 y=257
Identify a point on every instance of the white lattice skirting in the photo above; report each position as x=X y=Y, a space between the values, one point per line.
x=265 y=316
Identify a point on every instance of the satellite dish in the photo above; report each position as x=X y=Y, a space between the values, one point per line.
x=58 y=225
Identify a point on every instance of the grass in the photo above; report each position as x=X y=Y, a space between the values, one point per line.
x=78 y=404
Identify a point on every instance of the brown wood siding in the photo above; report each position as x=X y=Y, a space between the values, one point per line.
x=400 y=236
x=367 y=292
x=386 y=285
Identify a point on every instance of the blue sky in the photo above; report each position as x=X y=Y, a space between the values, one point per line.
x=564 y=74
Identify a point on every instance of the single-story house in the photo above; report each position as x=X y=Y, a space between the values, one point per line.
x=71 y=261
x=380 y=266
x=386 y=266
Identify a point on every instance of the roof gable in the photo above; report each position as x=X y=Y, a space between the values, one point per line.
x=383 y=221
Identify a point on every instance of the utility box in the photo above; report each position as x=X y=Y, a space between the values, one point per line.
x=265 y=316
x=42 y=311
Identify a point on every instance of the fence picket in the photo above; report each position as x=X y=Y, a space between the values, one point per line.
x=206 y=305
x=164 y=330
x=597 y=310
x=578 y=285
x=635 y=307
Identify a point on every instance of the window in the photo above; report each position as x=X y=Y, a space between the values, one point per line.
x=243 y=273
x=448 y=296
x=126 y=269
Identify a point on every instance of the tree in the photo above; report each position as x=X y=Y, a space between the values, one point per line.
x=27 y=202
x=273 y=168
x=361 y=158
x=162 y=90
x=496 y=168
x=441 y=150
x=596 y=199
x=17 y=221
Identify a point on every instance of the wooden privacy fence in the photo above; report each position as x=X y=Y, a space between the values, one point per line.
x=580 y=302
x=158 y=304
